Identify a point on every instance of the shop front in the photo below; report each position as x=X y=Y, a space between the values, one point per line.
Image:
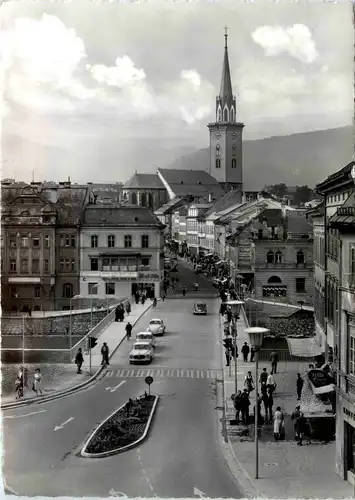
x=151 y=281
x=345 y=441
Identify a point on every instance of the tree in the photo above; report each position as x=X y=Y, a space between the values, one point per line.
x=279 y=190
x=302 y=195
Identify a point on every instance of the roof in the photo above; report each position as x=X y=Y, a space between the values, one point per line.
x=343 y=173
x=109 y=215
x=225 y=91
x=70 y=204
x=317 y=210
x=228 y=200
x=106 y=193
x=170 y=206
x=297 y=222
x=346 y=213
x=144 y=181
x=273 y=216
x=194 y=182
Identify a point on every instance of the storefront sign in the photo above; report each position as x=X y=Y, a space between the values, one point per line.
x=321 y=382
x=149 y=276
x=349 y=413
x=121 y=275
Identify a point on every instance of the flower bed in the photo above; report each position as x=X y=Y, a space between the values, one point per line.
x=123 y=428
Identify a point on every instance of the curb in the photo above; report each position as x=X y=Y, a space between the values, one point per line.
x=75 y=388
x=104 y=454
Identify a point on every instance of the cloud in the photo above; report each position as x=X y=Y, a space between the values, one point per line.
x=296 y=41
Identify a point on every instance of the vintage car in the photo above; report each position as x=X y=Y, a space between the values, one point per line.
x=142 y=352
x=198 y=269
x=156 y=326
x=146 y=337
x=200 y=308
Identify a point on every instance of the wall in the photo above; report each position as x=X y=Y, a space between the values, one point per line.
x=67 y=275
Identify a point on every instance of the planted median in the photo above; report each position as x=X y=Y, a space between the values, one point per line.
x=123 y=429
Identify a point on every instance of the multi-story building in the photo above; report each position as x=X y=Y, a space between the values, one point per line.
x=316 y=215
x=40 y=257
x=122 y=249
x=339 y=202
x=195 y=226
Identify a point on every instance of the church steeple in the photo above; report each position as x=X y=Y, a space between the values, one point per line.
x=225 y=101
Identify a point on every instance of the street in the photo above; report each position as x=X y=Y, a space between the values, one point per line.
x=181 y=456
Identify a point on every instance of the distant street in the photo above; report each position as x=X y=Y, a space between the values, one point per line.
x=181 y=455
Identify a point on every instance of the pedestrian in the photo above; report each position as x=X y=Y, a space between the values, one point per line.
x=128 y=307
x=263 y=377
x=244 y=406
x=249 y=382
x=128 y=330
x=278 y=424
x=229 y=314
x=263 y=388
x=143 y=299
x=163 y=295
x=274 y=359
x=136 y=297
x=228 y=356
x=36 y=387
x=271 y=383
x=237 y=405
x=299 y=385
x=258 y=404
x=79 y=360
x=245 y=352
x=105 y=352
x=18 y=387
x=252 y=354
x=294 y=416
x=30 y=311
x=300 y=427
x=117 y=313
x=268 y=404
x=222 y=309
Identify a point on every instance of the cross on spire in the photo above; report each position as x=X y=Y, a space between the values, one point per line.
x=225 y=35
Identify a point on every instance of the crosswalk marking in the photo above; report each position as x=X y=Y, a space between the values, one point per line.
x=159 y=373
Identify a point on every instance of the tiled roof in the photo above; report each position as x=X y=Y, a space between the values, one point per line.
x=297 y=222
x=339 y=174
x=228 y=200
x=109 y=215
x=144 y=181
x=346 y=213
x=196 y=182
x=169 y=207
x=272 y=215
x=106 y=193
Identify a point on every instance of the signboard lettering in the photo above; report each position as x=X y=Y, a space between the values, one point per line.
x=319 y=378
x=349 y=413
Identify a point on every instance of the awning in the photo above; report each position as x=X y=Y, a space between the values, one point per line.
x=304 y=347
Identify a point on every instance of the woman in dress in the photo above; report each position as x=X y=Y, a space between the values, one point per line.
x=249 y=382
x=278 y=423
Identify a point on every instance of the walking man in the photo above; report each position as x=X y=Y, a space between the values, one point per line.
x=105 y=352
x=268 y=404
x=271 y=383
x=263 y=377
x=128 y=330
x=274 y=359
x=245 y=352
x=299 y=384
x=244 y=406
x=228 y=356
x=295 y=415
x=79 y=359
x=117 y=313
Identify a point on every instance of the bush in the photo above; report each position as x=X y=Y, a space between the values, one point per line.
x=122 y=428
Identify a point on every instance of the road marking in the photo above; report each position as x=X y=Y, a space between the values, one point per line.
x=25 y=415
x=113 y=389
x=167 y=373
x=144 y=473
x=58 y=427
x=198 y=493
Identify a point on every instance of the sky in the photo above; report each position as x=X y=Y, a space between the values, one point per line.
x=95 y=90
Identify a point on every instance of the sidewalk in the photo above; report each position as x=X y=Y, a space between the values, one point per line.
x=285 y=469
x=56 y=378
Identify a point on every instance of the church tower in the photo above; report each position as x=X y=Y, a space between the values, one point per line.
x=226 y=161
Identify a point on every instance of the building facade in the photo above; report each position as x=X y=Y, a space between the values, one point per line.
x=226 y=135
x=144 y=190
x=122 y=250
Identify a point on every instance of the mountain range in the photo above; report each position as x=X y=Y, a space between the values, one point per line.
x=297 y=159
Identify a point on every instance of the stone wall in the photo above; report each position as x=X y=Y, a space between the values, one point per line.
x=11 y=356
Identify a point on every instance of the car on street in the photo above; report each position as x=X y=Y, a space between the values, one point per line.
x=142 y=352
x=156 y=326
x=198 y=269
x=200 y=308
x=146 y=337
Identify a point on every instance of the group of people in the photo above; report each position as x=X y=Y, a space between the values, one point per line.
x=22 y=382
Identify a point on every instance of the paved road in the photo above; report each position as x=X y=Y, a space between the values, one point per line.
x=182 y=452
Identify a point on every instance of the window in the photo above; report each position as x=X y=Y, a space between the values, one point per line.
x=24 y=241
x=218 y=151
x=46 y=265
x=13 y=292
x=260 y=236
x=35 y=265
x=218 y=163
x=270 y=258
x=300 y=285
x=143 y=200
x=94 y=264
x=110 y=241
x=46 y=241
x=300 y=257
x=278 y=257
x=12 y=265
x=67 y=290
x=232 y=115
x=128 y=241
x=46 y=218
x=352 y=266
x=73 y=265
x=225 y=115
x=150 y=200
x=134 y=199
x=24 y=265
x=145 y=241
x=67 y=264
x=13 y=242
x=234 y=163
x=145 y=261
x=110 y=289
x=35 y=242
x=219 y=115
x=351 y=349
x=94 y=241
x=61 y=264
x=92 y=288
x=37 y=292
x=72 y=240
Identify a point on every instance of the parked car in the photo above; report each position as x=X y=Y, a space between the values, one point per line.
x=198 y=269
x=200 y=308
x=146 y=337
x=156 y=326
x=142 y=352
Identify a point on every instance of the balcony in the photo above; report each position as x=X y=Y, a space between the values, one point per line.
x=284 y=265
x=125 y=273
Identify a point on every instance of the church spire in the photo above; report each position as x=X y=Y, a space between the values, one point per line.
x=226 y=93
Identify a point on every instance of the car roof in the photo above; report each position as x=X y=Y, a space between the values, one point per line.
x=200 y=303
x=155 y=319
x=141 y=342
x=145 y=333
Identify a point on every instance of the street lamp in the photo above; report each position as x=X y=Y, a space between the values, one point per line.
x=256 y=336
x=235 y=305
x=70 y=319
x=92 y=288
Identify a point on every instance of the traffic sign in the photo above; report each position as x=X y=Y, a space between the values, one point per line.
x=149 y=380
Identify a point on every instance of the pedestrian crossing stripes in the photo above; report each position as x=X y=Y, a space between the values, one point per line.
x=157 y=373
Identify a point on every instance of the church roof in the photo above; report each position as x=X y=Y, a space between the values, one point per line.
x=226 y=92
x=194 y=182
x=144 y=181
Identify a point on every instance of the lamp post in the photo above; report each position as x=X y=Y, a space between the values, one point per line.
x=70 y=320
x=94 y=286
x=256 y=336
x=23 y=347
x=235 y=305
